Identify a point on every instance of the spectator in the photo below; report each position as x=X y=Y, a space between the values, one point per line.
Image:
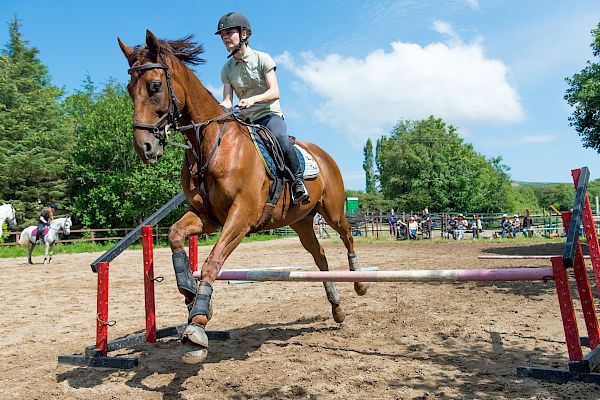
x=426 y=223
x=402 y=232
x=505 y=226
x=413 y=227
x=393 y=222
x=461 y=227
x=476 y=225
x=527 y=224
x=516 y=224
x=451 y=225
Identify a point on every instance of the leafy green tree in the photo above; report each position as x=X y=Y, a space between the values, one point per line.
x=34 y=135
x=111 y=186
x=425 y=164
x=368 y=167
x=523 y=198
x=584 y=96
x=560 y=195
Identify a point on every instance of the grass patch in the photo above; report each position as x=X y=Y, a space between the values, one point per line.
x=92 y=247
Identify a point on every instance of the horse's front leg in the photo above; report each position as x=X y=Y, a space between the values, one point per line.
x=51 y=252
x=190 y=224
x=235 y=228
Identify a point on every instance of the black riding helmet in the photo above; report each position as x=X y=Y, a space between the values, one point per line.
x=234 y=20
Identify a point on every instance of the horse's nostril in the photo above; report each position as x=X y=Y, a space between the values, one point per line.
x=148 y=147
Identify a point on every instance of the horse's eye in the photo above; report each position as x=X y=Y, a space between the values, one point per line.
x=154 y=87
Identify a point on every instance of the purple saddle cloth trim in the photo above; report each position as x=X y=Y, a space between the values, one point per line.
x=44 y=232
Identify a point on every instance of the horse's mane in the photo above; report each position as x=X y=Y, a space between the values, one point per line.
x=185 y=50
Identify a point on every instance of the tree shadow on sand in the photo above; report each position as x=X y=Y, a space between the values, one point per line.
x=537 y=249
x=487 y=369
x=164 y=357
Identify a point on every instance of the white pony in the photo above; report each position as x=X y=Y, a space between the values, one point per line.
x=7 y=211
x=56 y=225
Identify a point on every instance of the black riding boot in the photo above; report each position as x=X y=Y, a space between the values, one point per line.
x=39 y=233
x=299 y=191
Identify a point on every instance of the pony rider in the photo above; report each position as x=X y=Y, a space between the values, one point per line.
x=46 y=216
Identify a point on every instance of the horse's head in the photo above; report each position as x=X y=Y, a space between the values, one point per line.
x=12 y=217
x=67 y=226
x=158 y=94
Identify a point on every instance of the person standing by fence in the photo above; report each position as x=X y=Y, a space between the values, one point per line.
x=527 y=224
x=426 y=224
x=392 y=222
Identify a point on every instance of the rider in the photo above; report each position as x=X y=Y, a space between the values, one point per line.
x=46 y=216
x=251 y=74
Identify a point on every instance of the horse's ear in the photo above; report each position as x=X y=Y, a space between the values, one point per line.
x=127 y=51
x=152 y=43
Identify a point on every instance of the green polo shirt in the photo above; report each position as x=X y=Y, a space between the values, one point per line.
x=247 y=78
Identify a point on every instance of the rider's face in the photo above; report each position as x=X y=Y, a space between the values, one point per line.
x=230 y=38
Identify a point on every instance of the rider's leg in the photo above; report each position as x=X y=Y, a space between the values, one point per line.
x=40 y=231
x=276 y=124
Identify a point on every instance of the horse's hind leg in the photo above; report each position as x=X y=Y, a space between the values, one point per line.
x=30 y=247
x=335 y=217
x=305 y=231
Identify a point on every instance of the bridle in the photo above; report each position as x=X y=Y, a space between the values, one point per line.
x=159 y=129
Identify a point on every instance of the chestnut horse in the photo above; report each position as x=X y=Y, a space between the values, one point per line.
x=232 y=188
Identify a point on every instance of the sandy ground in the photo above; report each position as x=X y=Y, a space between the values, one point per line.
x=400 y=341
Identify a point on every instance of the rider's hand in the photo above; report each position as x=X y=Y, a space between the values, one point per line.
x=246 y=103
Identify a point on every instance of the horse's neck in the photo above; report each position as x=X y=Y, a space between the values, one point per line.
x=4 y=211
x=57 y=223
x=200 y=106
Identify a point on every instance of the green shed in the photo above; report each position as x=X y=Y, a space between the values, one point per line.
x=351 y=204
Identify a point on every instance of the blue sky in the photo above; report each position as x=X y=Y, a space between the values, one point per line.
x=348 y=70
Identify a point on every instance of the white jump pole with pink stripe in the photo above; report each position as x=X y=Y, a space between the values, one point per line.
x=446 y=275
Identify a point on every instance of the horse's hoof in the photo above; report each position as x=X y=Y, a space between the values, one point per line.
x=339 y=315
x=195 y=342
x=360 y=288
x=30 y=262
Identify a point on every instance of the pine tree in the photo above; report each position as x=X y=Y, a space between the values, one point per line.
x=368 y=167
x=34 y=135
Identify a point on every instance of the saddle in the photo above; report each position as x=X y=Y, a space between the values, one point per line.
x=308 y=165
x=44 y=232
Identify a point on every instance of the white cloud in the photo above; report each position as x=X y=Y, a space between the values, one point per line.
x=539 y=138
x=365 y=96
x=474 y=4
